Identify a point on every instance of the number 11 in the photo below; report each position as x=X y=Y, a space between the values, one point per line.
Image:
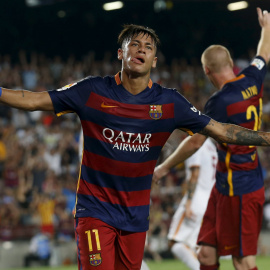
x=90 y=239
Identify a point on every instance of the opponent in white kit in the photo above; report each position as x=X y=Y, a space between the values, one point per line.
x=200 y=176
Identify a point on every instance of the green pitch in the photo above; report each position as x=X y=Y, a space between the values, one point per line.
x=262 y=263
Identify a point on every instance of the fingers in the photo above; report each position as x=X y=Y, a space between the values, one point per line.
x=263 y=17
x=159 y=172
x=259 y=12
x=156 y=178
x=190 y=215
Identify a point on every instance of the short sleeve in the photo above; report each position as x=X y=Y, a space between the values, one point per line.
x=71 y=98
x=215 y=108
x=187 y=117
x=257 y=69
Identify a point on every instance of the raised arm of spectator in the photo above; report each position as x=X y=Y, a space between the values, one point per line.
x=263 y=48
x=26 y=100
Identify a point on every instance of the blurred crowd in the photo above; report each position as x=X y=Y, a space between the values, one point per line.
x=39 y=159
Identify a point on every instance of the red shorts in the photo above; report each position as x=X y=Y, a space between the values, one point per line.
x=232 y=224
x=102 y=245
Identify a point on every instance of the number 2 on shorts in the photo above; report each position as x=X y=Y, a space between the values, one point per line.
x=89 y=237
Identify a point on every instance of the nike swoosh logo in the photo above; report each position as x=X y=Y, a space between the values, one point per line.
x=107 y=106
x=230 y=247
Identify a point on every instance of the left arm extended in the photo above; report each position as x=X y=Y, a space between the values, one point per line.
x=233 y=134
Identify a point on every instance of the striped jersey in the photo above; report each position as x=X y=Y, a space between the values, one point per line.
x=123 y=137
x=239 y=102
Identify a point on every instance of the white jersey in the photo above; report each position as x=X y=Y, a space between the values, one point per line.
x=206 y=159
x=183 y=229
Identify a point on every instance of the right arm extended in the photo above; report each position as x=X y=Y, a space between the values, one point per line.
x=27 y=100
x=263 y=48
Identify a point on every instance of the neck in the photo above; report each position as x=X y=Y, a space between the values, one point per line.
x=219 y=79
x=134 y=84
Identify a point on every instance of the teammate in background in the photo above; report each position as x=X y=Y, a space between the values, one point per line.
x=232 y=222
x=200 y=171
x=126 y=120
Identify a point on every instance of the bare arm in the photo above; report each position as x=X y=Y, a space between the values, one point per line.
x=191 y=186
x=26 y=100
x=223 y=133
x=263 y=48
x=233 y=134
x=185 y=149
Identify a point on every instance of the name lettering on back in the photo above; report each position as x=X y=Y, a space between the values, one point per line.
x=250 y=92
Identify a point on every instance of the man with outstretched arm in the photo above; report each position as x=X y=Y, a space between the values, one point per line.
x=232 y=221
x=126 y=120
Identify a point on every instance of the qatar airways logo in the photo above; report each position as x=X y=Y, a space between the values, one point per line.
x=127 y=141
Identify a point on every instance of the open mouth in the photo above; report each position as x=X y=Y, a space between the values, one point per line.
x=138 y=60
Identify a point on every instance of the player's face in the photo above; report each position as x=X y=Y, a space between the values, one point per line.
x=138 y=55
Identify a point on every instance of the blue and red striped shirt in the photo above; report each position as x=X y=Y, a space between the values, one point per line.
x=239 y=102
x=123 y=137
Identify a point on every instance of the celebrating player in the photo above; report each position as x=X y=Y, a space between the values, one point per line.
x=233 y=218
x=126 y=120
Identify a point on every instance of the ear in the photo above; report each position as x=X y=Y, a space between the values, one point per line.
x=154 y=64
x=206 y=70
x=231 y=62
x=120 y=54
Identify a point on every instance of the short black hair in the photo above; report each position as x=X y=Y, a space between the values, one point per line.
x=131 y=30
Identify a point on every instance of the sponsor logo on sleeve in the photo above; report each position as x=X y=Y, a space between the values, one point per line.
x=258 y=63
x=195 y=110
x=66 y=87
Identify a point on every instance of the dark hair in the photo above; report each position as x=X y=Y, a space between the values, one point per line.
x=131 y=30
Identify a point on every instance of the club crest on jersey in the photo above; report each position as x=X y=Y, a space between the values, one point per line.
x=95 y=259
x=155 y=111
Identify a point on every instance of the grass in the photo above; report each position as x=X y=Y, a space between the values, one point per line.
x=262 y=263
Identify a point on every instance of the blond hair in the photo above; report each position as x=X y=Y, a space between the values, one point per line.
x=216 y=57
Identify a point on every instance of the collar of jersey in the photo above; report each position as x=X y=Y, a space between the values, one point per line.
x=118 y=80
x=236 y=79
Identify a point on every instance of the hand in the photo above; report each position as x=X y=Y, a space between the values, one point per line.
x=263 y=17
x=189 y=213
x=159 y=172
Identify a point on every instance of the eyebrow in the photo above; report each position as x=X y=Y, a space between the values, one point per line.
x=138 y=41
